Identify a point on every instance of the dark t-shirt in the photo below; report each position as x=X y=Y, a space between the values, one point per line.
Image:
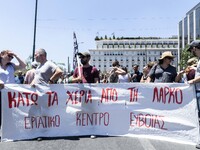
x=160 y=74
x=191 y=74
x=138 y=77
x=88 y=74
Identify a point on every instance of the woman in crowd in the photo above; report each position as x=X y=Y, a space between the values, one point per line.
x=114 y=72
x=124 y=78
x=163 y=71
x=146 y=70
x=189 y=72
x=8 y=68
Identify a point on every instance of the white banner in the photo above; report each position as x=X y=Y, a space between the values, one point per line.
x=162 y=111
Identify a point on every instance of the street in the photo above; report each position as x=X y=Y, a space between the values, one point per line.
x=99 y=143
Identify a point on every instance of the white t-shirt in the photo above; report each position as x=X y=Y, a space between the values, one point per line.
x=124 y=78
x=7 y=76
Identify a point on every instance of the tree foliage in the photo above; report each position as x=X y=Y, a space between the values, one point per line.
x=185 y=55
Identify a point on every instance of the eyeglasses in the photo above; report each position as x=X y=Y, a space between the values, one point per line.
x=170 y=58
x=10 y=56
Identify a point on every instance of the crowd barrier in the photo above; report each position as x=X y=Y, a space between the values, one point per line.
x=158 y=111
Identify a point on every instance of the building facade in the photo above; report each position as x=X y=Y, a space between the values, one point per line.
x=130 y=51
x=189 y=27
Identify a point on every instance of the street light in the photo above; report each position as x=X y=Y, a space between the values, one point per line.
x=34 y=36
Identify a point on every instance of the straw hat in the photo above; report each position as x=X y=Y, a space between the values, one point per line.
x=166 y=54
x=192 y=61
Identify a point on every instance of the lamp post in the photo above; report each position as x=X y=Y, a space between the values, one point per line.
x=34 y=36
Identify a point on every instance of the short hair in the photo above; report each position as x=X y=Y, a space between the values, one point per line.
x=4 y=52
x=42 y=51
x=135 y=65
x=115 y=63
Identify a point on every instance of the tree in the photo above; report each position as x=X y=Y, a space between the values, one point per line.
x=96 y=38
x=28 y=62
x=185 y=55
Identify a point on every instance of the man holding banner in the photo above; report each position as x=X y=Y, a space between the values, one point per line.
x=85 y=73
x=47 y=72
x=194 y=48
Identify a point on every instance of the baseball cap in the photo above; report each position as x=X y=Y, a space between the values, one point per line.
x=86 y=54
x=195 y=43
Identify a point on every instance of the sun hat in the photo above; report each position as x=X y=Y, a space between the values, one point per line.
x=166 y=54
x=192 y=61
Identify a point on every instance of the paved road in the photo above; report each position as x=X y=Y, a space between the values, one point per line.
x=99 y=143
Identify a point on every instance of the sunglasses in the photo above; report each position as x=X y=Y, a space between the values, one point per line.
x=10 y=56
x=169 y=58
x=81 y=57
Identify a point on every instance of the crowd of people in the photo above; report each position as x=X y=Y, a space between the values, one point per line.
x=46 y=72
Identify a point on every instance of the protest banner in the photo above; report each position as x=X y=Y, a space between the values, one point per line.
x=163 y=111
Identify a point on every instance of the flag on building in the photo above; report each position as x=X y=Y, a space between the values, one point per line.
x=75 y=51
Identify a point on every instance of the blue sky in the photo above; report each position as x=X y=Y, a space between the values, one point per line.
x=58 y=19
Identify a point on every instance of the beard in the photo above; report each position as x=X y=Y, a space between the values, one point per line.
x=83 y=62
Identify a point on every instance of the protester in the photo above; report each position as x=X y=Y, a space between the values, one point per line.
x=86 y=73
x=8 y=68
x=136 y=75
x=194 y=48
x=19 y=78
x=189 y=72
x=30 y=73
x=47 y=72
x=191 y=68
x=146 y=70
x=124 y=78
x=163 y=71
x=115 y=72
x=63 y=78
x=103 y=78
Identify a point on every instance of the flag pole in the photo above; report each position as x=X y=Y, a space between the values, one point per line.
x=79 y=66
x=76 y=61
x=34 y=36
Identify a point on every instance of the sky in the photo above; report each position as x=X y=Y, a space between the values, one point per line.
x=58 y=19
